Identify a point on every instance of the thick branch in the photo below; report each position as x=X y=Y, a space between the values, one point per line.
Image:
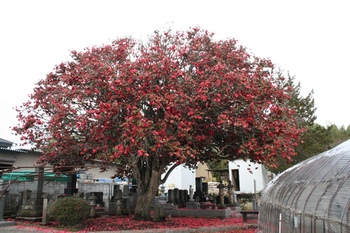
x=162 y=181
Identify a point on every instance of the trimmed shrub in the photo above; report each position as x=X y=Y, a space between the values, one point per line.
x=244 y=198
x=69 y=211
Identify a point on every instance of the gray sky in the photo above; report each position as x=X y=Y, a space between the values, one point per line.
x=310 y=39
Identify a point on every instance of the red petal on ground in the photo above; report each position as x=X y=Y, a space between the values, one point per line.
x=118 y=223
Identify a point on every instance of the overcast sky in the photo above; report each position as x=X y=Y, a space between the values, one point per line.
x=310 y=39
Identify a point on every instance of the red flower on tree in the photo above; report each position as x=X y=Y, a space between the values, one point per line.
x=179 y=99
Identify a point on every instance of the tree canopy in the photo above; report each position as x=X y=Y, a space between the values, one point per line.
x=179 y=98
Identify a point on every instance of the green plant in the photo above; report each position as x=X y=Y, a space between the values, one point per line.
x=69 y=211
x=244 y=198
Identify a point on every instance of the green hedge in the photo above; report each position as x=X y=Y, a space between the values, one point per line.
x=69 y=211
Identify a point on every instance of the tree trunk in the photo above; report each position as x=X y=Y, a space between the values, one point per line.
x=148 y=178
x=143 y=205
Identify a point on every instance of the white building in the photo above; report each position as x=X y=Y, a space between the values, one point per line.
x=248 y=177
x=181 y=178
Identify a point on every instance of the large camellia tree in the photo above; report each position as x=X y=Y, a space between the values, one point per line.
x=180 y=98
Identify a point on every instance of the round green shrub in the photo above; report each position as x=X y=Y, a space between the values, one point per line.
x=69 y=211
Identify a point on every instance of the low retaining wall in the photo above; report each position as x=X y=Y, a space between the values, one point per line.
x=173 y=210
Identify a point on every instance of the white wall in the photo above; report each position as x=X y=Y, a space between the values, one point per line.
x=248 y=172
x=181 y=178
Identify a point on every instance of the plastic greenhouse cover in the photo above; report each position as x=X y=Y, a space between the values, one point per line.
x=312 y=196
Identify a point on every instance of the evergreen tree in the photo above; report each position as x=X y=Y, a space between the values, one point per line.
x=316 y=138
x=339 y=135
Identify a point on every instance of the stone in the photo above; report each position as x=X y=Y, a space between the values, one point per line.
x=118 y=202
x=92 y=199
x=221 y=204
x=45 y=218
x=176 y=195
x=171 y=196
x=192 y=205
x=191 y=193
x=158 y=214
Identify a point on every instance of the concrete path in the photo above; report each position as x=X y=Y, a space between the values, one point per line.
x=19 y=229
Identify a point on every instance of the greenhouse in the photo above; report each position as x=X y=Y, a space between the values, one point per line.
x=312 y=196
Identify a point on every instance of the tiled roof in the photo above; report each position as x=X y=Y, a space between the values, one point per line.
x=13 y=150
x=5 y=143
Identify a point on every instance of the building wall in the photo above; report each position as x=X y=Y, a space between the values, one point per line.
x=29 y=159
x=17 y=158
x=50 y=187
x=250 y=175
x=97 y=174
x=180 y=178
x=202 y=171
